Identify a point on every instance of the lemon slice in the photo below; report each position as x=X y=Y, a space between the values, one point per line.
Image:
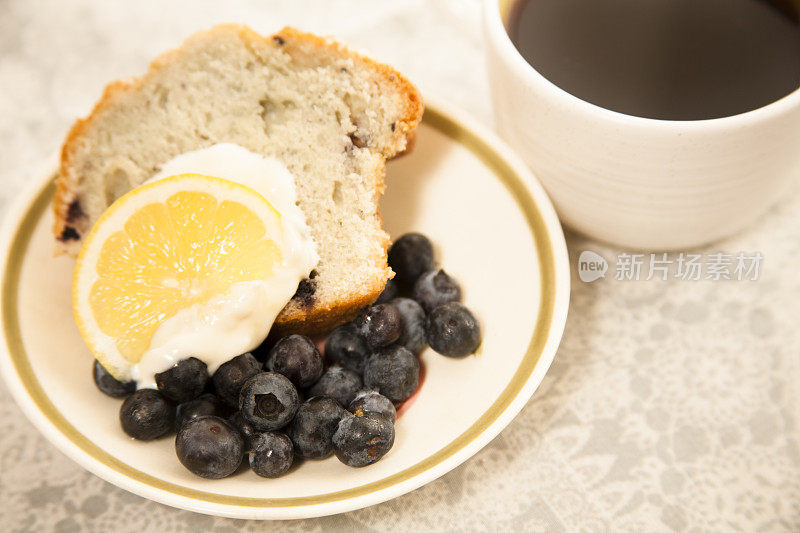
x=173 y=249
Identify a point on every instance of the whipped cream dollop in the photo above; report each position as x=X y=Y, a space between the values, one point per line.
x=238 y=320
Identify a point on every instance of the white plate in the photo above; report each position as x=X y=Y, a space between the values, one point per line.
x=495 y=231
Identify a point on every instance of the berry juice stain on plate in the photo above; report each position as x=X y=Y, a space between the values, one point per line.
x=410 y=401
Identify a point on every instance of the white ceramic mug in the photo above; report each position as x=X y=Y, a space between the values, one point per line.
x=638 y=182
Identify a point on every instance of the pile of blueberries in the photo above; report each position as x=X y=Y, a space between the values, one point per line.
x=254 y=404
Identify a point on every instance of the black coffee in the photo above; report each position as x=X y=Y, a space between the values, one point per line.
x=667 y=59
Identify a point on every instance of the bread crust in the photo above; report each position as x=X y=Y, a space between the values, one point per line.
x=318 y=318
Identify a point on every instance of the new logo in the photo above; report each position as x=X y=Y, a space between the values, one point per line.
x=591 y=266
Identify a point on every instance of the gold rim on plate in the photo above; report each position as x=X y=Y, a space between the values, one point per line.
x=504 y=172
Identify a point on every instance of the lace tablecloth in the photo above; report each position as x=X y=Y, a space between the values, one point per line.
x=671 y=405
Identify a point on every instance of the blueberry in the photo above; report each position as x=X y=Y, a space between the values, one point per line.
x=338 y=383
x=268 y=401
x=435 y=288
x=185 y=381
x=313 y=427
x=108 y=384
x=390 y=292
x=245 y=428
x=147 y=415
x=345 y=347
x=271 y=455
x=409 y=257
x=412 y=335
x=379 y=325
x=393 y=372
x=370 y=401
x=452 y=330
x=205 y=405
x=297 y=358
x=209 y=447
x=230 y=376
x=363 y=440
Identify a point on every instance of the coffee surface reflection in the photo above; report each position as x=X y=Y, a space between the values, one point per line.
x=664 y=59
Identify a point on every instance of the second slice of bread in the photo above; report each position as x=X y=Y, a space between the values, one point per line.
x=332 y=116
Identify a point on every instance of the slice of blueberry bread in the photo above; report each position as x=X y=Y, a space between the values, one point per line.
x=331 y=115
